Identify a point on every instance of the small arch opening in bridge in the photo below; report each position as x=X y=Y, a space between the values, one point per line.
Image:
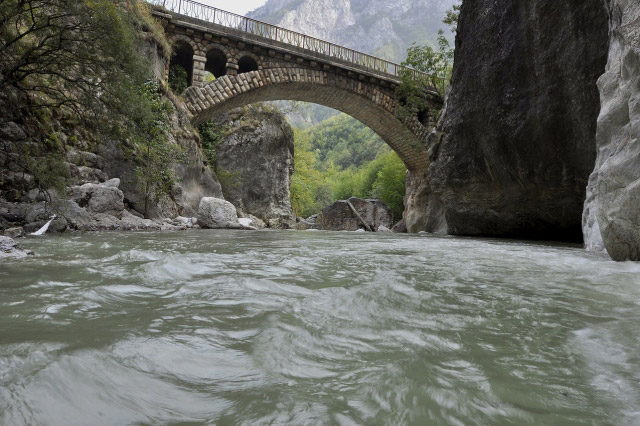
x=247 y=64
x=181 y=67
x=216 y=63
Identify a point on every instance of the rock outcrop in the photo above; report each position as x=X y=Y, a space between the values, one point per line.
x=194 y=179
x=88 y=207
x=255 y=163
x=9 y=248
x=612 y=211
x=518 y=133
x=340 y=217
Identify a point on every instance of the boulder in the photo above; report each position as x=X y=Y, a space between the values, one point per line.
x=9 y=248
x=255 y=163
x=17 y=232
x=399 y=228
x=306 y=224
x=103 y=198
x=611 y=217
x=340 y=217
x=215 y=213
x=131 y=222
x=77 y=217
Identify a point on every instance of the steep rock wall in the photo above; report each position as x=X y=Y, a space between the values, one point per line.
x=255 y=164
x=194 y=179
x=519 y=124
x=612 y=211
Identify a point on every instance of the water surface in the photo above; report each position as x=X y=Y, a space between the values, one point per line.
x=315 y=328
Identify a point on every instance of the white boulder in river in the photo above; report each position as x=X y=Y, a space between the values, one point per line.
x=215 y=213
x=9 y=248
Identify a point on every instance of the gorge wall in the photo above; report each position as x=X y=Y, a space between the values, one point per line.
x=255 y=162
x=517 y=138
x=612 y=210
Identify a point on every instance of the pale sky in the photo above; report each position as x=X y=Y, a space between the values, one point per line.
x=241 y=7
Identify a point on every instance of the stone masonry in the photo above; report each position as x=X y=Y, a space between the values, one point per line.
x=285 y=72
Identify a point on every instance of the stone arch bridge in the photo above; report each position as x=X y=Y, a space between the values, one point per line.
x=257 y=62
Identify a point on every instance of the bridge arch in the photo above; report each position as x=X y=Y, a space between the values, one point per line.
x=184 y=51
x=372 y=104
x=247 y=62
x=216 y=62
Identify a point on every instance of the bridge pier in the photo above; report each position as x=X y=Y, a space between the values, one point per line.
x=199 y=65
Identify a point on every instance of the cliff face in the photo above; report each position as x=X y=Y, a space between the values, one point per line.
x=255 y=164
x=612 y=210
x=372 y=26
x=519 y=126
x=194 y=179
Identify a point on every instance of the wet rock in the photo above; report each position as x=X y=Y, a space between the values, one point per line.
x=308 y=223
x=255 y=163
x=77 y=217
x=9 y=248
x=340 y=217
x=131 y=222
x=17 y=232
x=383 y=228
x=399 y=228
x=611 y=217
x=215 y=213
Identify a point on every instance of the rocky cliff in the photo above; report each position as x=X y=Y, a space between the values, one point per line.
x=255 y=164
x=372 y=26
x=101 y=191
x=612 y=210
x=517 y=139
x=194 y=179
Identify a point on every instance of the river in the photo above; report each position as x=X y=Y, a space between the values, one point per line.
x=316 y=328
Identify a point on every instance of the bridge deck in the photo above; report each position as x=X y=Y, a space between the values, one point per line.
x=216 y=20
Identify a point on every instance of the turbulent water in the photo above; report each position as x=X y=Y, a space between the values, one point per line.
x=314 y=328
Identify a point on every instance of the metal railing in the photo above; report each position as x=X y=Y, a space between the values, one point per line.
x=212 y=15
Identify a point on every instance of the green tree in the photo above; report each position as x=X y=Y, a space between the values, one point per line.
x=178 y=78
x=390 y=183
x=155 y=153
x=306 y=180
x=80 y=54
x=433 y=66
x=452 y=17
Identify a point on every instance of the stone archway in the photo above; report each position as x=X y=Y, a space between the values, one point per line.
x=372 y=104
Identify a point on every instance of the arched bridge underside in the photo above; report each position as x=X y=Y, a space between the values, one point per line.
x=253 y=69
